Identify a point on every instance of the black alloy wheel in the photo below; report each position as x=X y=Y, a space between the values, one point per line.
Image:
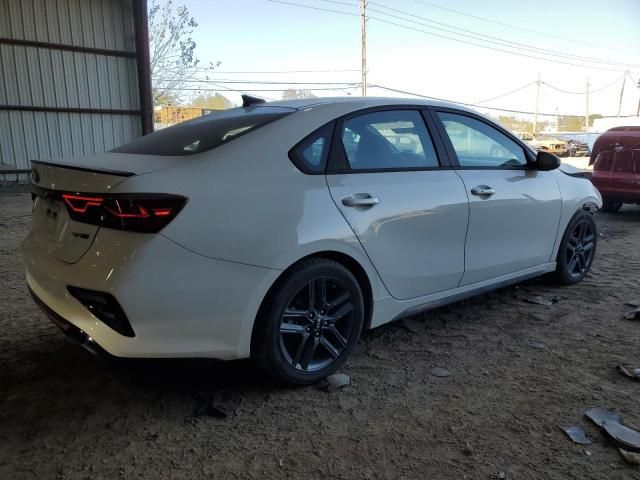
x=577 y=249
x=313 y=323
x=316 y=324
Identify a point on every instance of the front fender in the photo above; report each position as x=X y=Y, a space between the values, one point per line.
x=577 y=194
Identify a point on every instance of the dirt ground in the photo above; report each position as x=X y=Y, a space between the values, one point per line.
x=518 y=372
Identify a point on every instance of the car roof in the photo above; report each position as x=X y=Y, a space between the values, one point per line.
x=358 y=103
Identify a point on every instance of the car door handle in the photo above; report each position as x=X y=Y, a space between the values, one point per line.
x=482 y=190
x=360 y=200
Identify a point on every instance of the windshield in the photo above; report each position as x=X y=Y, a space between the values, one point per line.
x=204 y=133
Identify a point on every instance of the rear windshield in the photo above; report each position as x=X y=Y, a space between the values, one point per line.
x=204 y=133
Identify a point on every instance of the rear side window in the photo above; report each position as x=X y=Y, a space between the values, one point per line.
x=388 y=140
x=204 y=133
x=310 y=155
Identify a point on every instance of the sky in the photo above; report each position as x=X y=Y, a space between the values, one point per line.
x=265 y=36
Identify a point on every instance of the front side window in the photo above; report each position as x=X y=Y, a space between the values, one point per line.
x=479 y=145
x=388 y=140
x=204 y=133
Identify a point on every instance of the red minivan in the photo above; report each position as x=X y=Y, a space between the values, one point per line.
x=616 y=167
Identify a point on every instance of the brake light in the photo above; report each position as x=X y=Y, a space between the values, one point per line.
x=79 y=203
x=145 y=212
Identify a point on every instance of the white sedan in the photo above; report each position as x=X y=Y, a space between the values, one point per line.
x=280 y=231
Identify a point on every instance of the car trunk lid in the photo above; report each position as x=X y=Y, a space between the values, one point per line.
x=53 y=230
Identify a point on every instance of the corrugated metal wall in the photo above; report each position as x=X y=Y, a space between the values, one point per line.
x=68 y=80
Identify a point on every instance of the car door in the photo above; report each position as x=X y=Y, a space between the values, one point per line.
x=409 y=213
x=514 y=210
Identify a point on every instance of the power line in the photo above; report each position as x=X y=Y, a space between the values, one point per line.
x=229 y=89
x=593 y=67
x=187 y=89
x=458 y=103
x=286 y=71
x=493 y=48
x=492 y=39
x=313 y=8
x=546 y=34
x=609 y=85
x=507 y=94
x=264 y=82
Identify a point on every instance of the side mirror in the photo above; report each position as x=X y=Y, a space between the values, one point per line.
x=546 y=161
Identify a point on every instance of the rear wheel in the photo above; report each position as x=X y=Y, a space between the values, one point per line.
x=611 y=206
x=312 y=324
x=577 y=249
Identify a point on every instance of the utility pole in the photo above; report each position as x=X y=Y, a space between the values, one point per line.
x=586 y=115
x=624 y=79
x=363 y=15
x=535 y=116
x=557 y=121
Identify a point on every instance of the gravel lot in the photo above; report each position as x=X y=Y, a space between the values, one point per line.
x=518 y=372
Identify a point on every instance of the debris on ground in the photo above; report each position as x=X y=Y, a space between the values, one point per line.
x=633 y=314
x=630 y=457
x=467 y=450
x=334 y=382
x=633 y=303
x=439 y=372
x=539 y=301
x=555 y=299
x=220 y=404
x=622 y=436
x=537 y=345
x=412 y=325
x=631 y=372
x=600 y=415
x=577 y=435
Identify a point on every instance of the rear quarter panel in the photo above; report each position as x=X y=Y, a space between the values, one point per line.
x=249 y=204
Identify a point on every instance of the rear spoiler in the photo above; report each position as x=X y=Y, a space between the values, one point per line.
x=35 y=163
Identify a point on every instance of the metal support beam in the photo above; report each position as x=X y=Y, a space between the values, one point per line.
x=68 y=48
x=144 y=64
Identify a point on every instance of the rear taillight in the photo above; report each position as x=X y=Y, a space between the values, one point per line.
x=139 y=212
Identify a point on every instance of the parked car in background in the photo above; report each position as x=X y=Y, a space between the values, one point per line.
x=616 y=167
x=575 y=148
x=542 y=142
x=280 y=231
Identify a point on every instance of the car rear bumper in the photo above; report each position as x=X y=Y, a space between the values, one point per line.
x=180 y=304
x=608 y=189
x=68 y=328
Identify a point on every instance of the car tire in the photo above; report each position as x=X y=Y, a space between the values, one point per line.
x=311 y=324
x=577 y=249
x=611 y=206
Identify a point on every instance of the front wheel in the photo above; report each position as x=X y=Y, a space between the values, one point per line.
x=577 y=249
x=611 y=206
x=312 y=324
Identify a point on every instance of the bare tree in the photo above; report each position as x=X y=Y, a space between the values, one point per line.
x=292 y=93
x=172 y=51
x=216 y=101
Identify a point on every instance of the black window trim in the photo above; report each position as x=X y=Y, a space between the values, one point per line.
x=444 y=137
x=338 y=156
